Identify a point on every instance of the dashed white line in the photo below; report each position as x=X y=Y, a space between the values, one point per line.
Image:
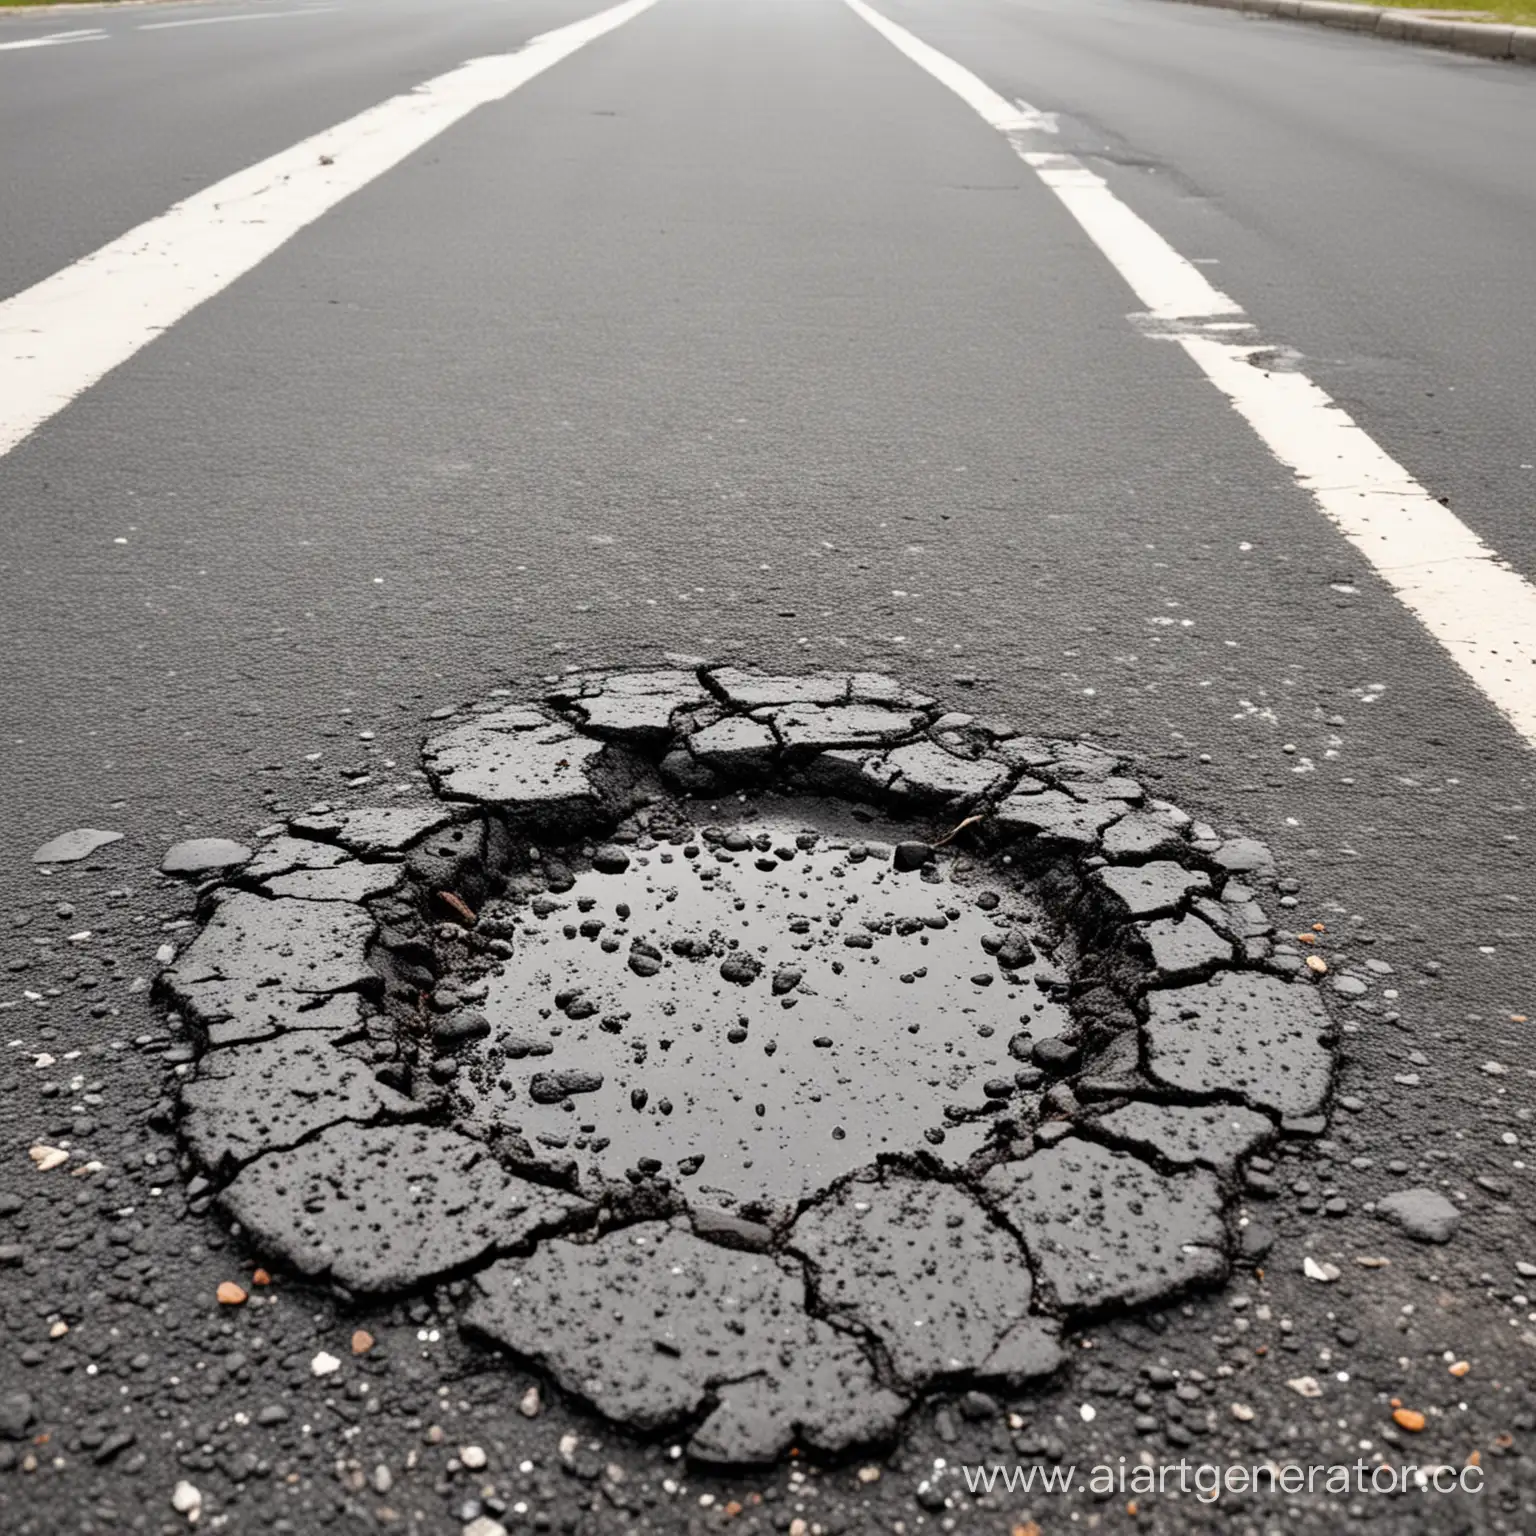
x=218 y=21
x=55 y=39
x=1481 y=610
x=60 y=336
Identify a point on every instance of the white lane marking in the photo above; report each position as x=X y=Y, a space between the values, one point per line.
x=54 y=39
x=216 y=21
x=1170 y=287
x=60 y=336
x=1473 y=602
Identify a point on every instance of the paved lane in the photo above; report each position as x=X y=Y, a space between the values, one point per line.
x=736 y=335
x=101 y=135
x=1360 y=200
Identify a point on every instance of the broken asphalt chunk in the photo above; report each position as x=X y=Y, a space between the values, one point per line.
x=1104 y=1229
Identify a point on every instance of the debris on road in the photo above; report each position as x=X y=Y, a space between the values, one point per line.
x=71 y=847
x=1424 y=1214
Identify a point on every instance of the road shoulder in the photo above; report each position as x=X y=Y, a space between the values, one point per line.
x=1485 y=40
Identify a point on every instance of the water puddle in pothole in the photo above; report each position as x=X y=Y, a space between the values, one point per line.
x=752 y=1021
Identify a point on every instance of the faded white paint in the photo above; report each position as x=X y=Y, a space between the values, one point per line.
x=218 y=21
x=56 y=39
x=1475 y=604
x=65 y=333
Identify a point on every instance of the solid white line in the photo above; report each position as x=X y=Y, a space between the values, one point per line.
x=54 y=39
x=216 y=21
x=62 y=335
x=1473 y=602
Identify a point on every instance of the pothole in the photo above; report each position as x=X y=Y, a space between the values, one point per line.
x=769 y=1051
x=747 y=1010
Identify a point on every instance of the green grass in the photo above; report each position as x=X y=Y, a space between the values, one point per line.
x=1520 y=13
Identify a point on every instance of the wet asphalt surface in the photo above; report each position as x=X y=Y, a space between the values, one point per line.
x=735 y=336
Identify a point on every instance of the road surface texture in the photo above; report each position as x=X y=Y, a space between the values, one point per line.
x=739 y=334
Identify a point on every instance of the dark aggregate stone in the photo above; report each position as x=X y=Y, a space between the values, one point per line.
x=741 y=968
x=556 y=1087
x=786 y=978
x=1015 y=952
x=517 y=1045
x=731 y=1230
x=17 y=1413
x=681 y=770
x=1423 y=1214
x=1054 y=1054
x=459 y=1028
x=1255 y=1240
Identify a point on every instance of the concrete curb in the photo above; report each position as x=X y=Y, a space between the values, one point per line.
x=1475 y=37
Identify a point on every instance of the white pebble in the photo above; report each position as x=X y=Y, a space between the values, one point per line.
x=483 y=1525
x=324 y=1364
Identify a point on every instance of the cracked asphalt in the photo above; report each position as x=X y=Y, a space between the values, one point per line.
x=735 y=337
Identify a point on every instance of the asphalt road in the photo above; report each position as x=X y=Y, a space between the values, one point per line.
x=735 y=335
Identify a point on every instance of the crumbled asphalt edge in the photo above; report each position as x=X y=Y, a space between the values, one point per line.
x=450 y=871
